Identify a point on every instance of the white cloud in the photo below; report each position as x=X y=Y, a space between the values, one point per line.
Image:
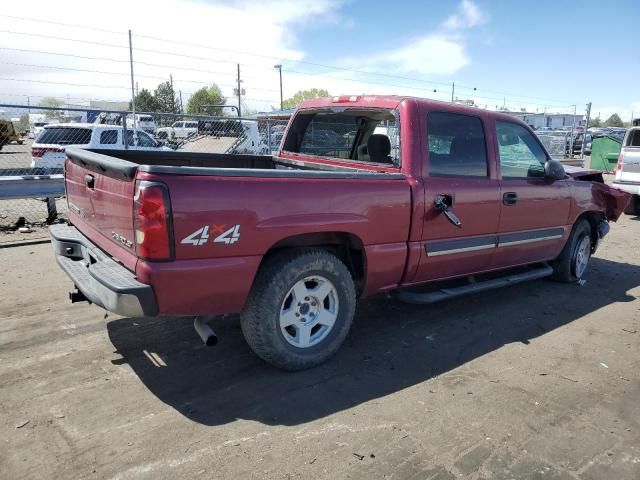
x=429 y=55
x=468 y=15
x=265 y=31
x=442 y=52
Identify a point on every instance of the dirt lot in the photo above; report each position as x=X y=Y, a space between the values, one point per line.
x=539 y=380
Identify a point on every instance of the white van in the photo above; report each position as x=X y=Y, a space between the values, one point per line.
x=48 y=149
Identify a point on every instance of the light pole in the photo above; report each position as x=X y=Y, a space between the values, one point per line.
x=279 y=67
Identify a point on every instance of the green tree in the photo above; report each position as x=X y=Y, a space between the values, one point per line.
x=614 y=121
x=304 y=95
x=145 y=102
x=22 y=124
x=51 y=102
x=595 y=122
x=165 y=97
x=206 y=96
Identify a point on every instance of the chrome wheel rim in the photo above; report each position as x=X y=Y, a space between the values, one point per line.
x=309 y=312
x=583 y=253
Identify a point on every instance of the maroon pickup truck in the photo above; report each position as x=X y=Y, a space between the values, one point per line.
x=367 y=194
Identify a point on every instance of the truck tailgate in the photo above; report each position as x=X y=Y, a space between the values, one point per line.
x=101 y=207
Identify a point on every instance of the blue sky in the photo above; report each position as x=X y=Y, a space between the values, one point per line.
x=544 y=55
x=567 y=52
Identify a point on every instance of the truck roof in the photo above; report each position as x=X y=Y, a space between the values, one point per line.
x=392 y=102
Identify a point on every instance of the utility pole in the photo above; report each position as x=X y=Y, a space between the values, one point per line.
x=239 y=93
x=584 y=135
x=181 y=109
x=453 y=90
x=133 y=92
x=279 y=67
x=173 y=95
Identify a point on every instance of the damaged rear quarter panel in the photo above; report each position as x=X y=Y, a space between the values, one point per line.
x=594 y=196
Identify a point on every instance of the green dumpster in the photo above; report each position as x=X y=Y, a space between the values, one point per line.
x=604 y=153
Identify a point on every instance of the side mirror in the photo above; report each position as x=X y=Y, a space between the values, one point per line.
x=553 y=170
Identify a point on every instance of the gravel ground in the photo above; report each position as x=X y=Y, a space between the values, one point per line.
x=536 y=381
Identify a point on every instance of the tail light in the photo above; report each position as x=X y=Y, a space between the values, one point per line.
x=345 y=98
x=39 y=152
x=152 y=221
x=620 y=162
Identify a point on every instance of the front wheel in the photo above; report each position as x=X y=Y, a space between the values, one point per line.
x=634 y=206
x=300 y=309
x=572 y=263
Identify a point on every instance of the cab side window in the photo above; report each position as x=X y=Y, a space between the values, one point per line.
x=457 y=146
x=521 y=155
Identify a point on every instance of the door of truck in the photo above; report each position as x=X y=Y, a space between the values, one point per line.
x=534 y=210
x=460 y=179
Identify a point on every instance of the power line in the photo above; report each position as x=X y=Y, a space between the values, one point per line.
x=59 y=83
x=51 y=22
x=271 y=57
x=26 y=50
x=66 y=39
x=199 y=82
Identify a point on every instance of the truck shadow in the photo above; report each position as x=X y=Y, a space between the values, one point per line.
x=392 y=346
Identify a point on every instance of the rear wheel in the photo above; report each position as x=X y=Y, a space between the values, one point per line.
x=572 y=263
x=300 y=309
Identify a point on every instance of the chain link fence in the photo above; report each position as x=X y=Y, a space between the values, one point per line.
x=32 y=161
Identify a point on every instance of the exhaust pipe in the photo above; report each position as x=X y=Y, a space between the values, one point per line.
x=206 y=333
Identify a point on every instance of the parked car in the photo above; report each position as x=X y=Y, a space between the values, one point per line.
x=181 y=129
x=143 y=122
x=48 y=149
x=37 y=128
x=8 y=134
x=291 y=241
x=628 y=169
x=577 y=144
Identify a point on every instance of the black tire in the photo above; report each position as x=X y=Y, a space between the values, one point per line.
x=634 y=206
x=564 y=267
x=260 y=319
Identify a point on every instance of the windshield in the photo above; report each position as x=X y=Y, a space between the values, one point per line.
x=65 y=136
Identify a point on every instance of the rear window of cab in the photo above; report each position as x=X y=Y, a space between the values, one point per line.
x=65 y=136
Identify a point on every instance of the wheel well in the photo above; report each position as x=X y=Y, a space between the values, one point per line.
x=346 y=246
x=594 y=218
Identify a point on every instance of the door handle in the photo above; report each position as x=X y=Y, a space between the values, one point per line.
x=443 y=203
x=90 y=181
x=509 y=198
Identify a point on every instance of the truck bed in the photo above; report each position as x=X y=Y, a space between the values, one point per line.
x=126 y=163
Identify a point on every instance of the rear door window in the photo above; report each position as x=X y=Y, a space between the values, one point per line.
x=65 y=136
x=457 y=146
x=109 y=137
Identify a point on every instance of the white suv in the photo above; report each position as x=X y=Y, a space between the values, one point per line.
x=181 y=129
x=628 y=169
x=48 y=148
x=143 y=122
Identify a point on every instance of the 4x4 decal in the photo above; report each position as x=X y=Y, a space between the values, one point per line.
x=226 y=235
